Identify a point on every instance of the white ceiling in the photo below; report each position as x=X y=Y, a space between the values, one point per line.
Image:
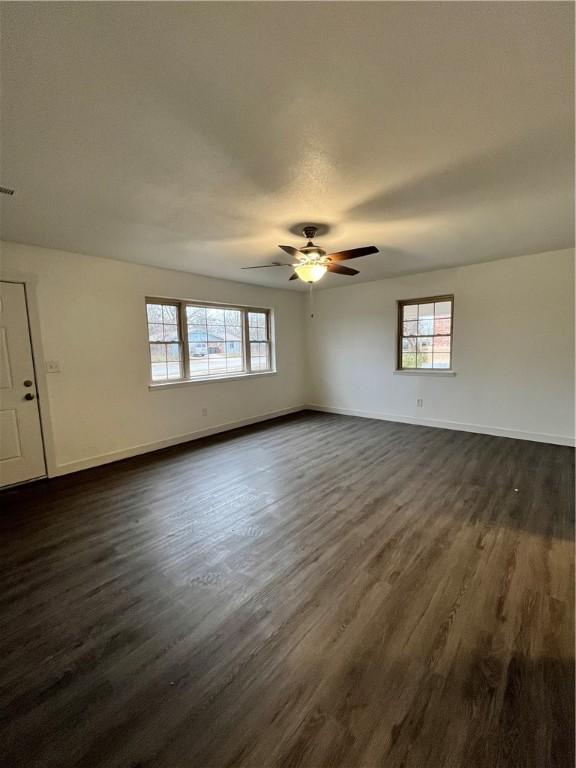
x=196 y=135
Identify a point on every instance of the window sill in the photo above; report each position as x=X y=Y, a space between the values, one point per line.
x=209 y=380
x=424 y=372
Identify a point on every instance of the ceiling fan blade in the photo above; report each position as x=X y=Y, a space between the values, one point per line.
x=353 y=253
x=294 y=252
x=342 y=270
x=293 y=276
x=263 y=266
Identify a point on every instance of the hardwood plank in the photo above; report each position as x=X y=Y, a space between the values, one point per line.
x=315 y=591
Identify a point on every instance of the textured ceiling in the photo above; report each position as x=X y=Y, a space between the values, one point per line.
x=196 y=135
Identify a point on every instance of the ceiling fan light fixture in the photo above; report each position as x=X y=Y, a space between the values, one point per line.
x=313 y=262
x=310 y=273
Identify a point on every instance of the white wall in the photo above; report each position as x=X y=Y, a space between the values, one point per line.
x=513 y=353
x=92 y=318
x=513 y=349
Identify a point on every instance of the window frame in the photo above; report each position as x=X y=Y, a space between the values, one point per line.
x=187 y=378
x=400 y=336
x=249 y=342
x=180 y=341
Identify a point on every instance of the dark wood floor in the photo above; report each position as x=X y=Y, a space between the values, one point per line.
x=316 y=591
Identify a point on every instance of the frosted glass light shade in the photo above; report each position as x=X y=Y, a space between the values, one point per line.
x=311 y=273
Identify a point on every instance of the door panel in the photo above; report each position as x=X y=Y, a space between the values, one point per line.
x=10 y=442
x=5 y=371
x=21 y=448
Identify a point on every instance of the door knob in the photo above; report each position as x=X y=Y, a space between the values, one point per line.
x=28 y=383
x=28 y=396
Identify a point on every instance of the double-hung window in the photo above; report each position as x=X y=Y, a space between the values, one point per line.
x=165 y=341
x=189 y=341
x=425 y=333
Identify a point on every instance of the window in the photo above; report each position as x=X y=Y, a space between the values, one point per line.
x=259 y=335
x=190 y=341
x=165 y=342
x=425 y=333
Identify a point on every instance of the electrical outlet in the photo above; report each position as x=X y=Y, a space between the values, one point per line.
x=419 y=402
x=204 y=411
x=52 y=366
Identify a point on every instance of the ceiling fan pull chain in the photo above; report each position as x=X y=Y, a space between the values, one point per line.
x=311 y=301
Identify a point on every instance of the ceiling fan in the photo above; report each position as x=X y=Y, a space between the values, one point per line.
x=312 y=262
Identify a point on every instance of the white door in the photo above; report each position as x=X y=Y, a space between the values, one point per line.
x=21 y=448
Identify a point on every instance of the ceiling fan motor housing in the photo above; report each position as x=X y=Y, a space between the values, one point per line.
x=311 y=253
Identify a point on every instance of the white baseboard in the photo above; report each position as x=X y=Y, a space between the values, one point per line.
x=136 y=450
x=126 y=453
x=538 y=437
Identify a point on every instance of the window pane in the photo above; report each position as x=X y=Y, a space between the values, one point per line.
x=441 y=344
x=425 y=311
x=196 y=315
x=173 y=352
x=442 y=325
x=441 y=360
x=172 y=368
x=410 y=312
x=257 y=319
x=154 y=312
x=232 y=317
x=215 y=345
x=197 y=333
x=198 y=361
x=159 y=372
x=258 y=334
x=257 y=349
x=171 y=333
x=258 y=326
x=443 y=309
x=410 y=328
x=235 y=359
x=158 y=353
x=169 y=314
x=174 y=371
x=234 y=348
x=441 y=357
x=233 y=333
x=165 y=327
x=425 y=319
x=425 y=326
x=155 y=332
x=259 y=356
x=214 y=316
x=216 y=333
x=408 y=360
x=216 y=358
x=198 y=349
x=408 y=353
x=424 y=352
